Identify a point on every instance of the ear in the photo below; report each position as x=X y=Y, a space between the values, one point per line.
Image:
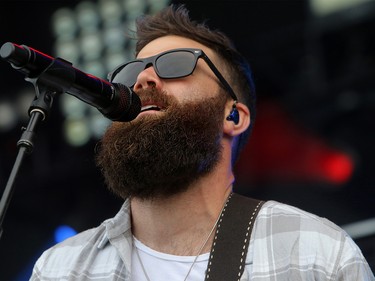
x=232 y=129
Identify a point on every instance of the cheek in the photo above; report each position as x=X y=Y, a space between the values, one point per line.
x=193 y=89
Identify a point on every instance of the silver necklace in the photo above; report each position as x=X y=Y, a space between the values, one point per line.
x=196 y=257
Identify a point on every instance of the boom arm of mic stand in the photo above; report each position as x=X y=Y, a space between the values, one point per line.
x=38 y=111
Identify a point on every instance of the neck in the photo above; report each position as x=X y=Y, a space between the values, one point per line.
x=180 y=224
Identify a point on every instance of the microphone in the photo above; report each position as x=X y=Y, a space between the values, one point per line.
x=115 y=101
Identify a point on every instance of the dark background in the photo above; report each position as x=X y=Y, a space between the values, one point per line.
x=312 y=145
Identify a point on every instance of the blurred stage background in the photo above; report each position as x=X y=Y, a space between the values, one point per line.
x=313 y=142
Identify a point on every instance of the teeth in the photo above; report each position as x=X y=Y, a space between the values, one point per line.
x=150 y=107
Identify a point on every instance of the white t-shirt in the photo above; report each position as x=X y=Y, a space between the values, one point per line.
x=162 y=267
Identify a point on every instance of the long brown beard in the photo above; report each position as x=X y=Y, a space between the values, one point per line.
x=157 y=156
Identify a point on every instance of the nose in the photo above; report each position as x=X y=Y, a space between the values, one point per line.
x=148 y=78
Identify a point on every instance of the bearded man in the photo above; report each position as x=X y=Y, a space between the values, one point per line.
x=173 y=166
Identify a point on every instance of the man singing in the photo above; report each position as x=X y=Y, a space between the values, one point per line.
x=173 y=166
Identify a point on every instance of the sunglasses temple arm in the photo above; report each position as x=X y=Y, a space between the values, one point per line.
x=220 y=77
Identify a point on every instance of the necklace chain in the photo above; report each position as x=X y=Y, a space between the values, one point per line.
x=199 y=252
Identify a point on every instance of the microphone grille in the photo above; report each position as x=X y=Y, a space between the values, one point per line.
x=129 y=104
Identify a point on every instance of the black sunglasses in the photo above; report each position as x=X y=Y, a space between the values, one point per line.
x=176 y=63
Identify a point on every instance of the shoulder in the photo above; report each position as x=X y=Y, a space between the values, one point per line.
x=284 y=223
x=93 y=252
x=290 y=240
x=289 y=218
x=66 y=255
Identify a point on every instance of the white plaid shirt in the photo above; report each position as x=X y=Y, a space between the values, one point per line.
x=287 y=244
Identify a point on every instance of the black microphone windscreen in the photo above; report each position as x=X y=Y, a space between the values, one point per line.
x=128 y=106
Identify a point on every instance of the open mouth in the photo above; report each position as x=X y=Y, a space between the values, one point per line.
x=150 y=107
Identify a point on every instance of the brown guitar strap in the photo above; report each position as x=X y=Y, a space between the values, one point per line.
x=232 y=237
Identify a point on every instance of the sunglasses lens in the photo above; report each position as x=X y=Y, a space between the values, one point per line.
x=129 y=73
x=175 y=64
x=170 y=65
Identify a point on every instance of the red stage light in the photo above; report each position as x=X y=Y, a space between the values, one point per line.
x=338 y=167
x=281 y=150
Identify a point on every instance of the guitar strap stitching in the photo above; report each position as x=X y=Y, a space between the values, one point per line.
x=215 y=238
x=223 y=264
x=247 y=239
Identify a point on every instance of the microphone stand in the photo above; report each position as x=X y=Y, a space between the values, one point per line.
x=38 y=112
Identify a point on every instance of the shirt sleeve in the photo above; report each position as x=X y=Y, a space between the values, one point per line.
x=353 y=265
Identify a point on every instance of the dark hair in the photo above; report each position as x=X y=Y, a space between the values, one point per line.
x=175 y=20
